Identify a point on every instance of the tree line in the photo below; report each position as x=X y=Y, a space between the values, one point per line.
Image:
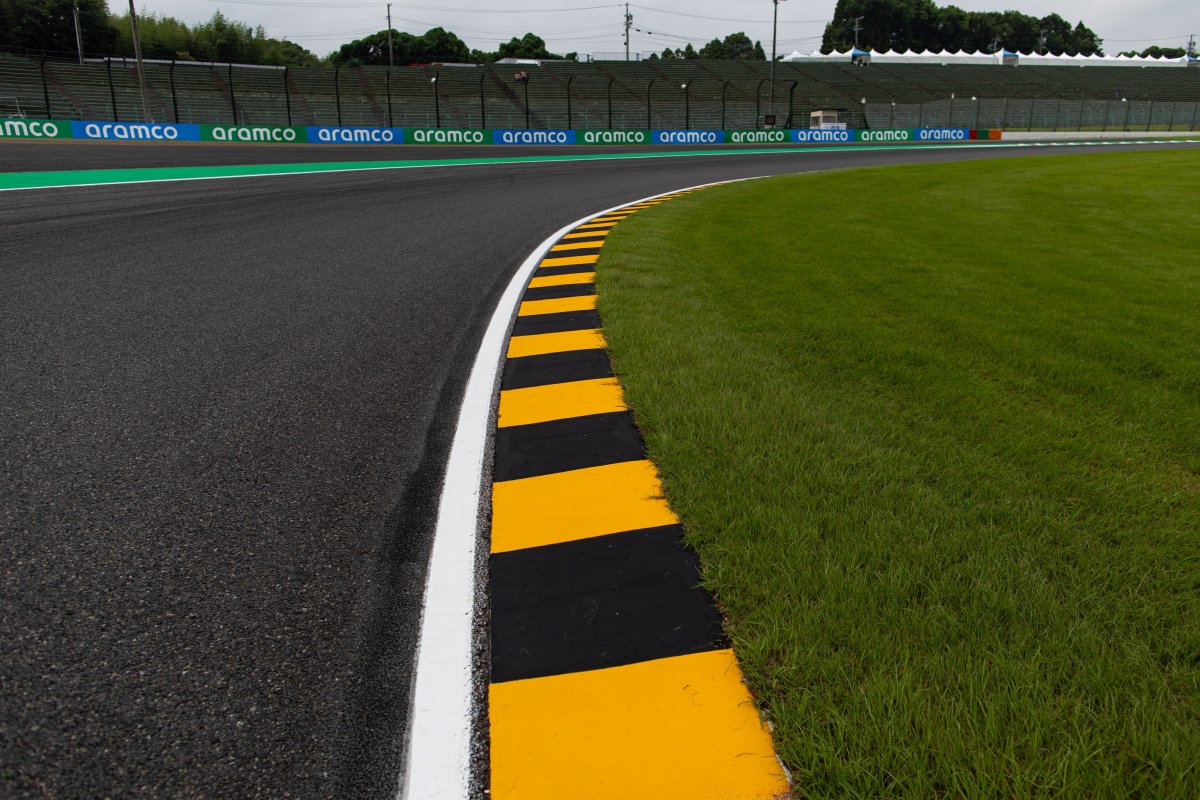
x=48 y=26
x=923 y=25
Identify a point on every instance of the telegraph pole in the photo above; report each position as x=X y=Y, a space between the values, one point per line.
x=774 y=41
x=628 y=25
x=857 y=28
x=391 y=60
x=137 y=54
x=1192 y=45
x=78 y=32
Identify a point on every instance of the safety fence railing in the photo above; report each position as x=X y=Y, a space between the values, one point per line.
x=492 y=97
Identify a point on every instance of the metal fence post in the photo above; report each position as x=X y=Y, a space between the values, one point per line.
x=437 y=102
x=648 y=85
x=724 y=89
x=791 y=104
x=387 y=86
x=112 y=92
x=482 y=104
x=526 y=82
x=571 y=78
x=287 y=96
x=610 y=118
x=232 y=96
x=758 y=103
x=337 y=94
x=174 y=94
x=46 y=89
x=1150 y=117
x=1195 y=114
x=687 y=108
x=1004 y=124
x=1171 y=119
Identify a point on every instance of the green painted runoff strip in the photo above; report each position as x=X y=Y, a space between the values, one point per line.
x=100 y=177
x=12 y=181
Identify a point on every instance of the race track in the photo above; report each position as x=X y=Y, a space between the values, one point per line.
x=224 y=416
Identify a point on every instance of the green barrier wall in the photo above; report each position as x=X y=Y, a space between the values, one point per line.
x=35 y=129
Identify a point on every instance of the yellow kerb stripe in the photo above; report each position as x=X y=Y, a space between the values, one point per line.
x=580 y=504
x=559 y=401
x=569 y=261
x=681 y=727
x=606 y=225
x=573 y=279
x=576 y=246
x=587 y=235
x=533 y=308
x=543 y=343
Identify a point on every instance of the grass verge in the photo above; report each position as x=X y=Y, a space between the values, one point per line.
x=935 y=432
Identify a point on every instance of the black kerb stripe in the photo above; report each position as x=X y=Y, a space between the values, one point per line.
x=524 y=451
x=576 y=365
x=555 y=292
x=556 y=323
x=545 y=272
x=596 y=603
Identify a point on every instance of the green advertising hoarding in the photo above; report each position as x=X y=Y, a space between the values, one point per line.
x=253 y=133
x=19 y=128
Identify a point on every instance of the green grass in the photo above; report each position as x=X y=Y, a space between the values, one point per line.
x=935 y=432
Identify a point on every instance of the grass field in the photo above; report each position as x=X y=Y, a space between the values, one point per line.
x=935 y=432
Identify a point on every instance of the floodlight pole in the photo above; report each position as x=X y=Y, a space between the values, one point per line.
x=137 y=52
x=628 y=25
x=78 y=31
x=391 y=58
x=774 y=43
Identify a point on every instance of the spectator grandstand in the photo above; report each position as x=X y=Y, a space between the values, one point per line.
x=663 y=94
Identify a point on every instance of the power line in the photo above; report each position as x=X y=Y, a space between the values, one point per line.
x=729 y=19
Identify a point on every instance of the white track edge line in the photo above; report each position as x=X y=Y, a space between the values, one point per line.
x=437 y=765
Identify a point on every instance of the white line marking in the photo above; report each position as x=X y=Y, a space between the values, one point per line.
x=438 y=764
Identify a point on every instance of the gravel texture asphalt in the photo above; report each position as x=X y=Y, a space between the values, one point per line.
x=224 y=414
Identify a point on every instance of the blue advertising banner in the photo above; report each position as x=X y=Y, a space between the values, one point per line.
x=942 y=134
x=819 y=136
x=329 y=134
x=689 y=137
x=503 y=136
x=135 y=131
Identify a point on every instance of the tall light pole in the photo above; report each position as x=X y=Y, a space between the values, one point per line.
x=774 y=41
x=137 y=54
x=391 y=60
x=78 y=32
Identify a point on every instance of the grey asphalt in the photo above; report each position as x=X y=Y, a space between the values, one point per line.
x=225 y=407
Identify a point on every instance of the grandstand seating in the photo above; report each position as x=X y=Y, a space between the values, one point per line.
x=604 y=94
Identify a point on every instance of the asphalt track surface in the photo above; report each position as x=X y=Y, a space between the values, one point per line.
x=224 y=414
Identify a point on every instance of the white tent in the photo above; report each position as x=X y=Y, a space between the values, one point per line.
x=964 y=57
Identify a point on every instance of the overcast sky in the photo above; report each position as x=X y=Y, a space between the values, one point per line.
x=595 y=26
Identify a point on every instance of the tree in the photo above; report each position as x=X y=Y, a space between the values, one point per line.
x=436 y=44
x=923 y=25
x=50 y=25
x=1158 y=52
x=528 y=46
x=735 y=47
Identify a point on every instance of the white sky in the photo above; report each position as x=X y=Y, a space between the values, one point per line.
x=595 y=26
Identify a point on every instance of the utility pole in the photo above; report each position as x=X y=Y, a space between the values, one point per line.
x=628 y=25
x=391 y=59
x=78 y=32
x=1042 y=42
x=137 y=53
x=857 y=28
x=1192 y=45
x=774 y=40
